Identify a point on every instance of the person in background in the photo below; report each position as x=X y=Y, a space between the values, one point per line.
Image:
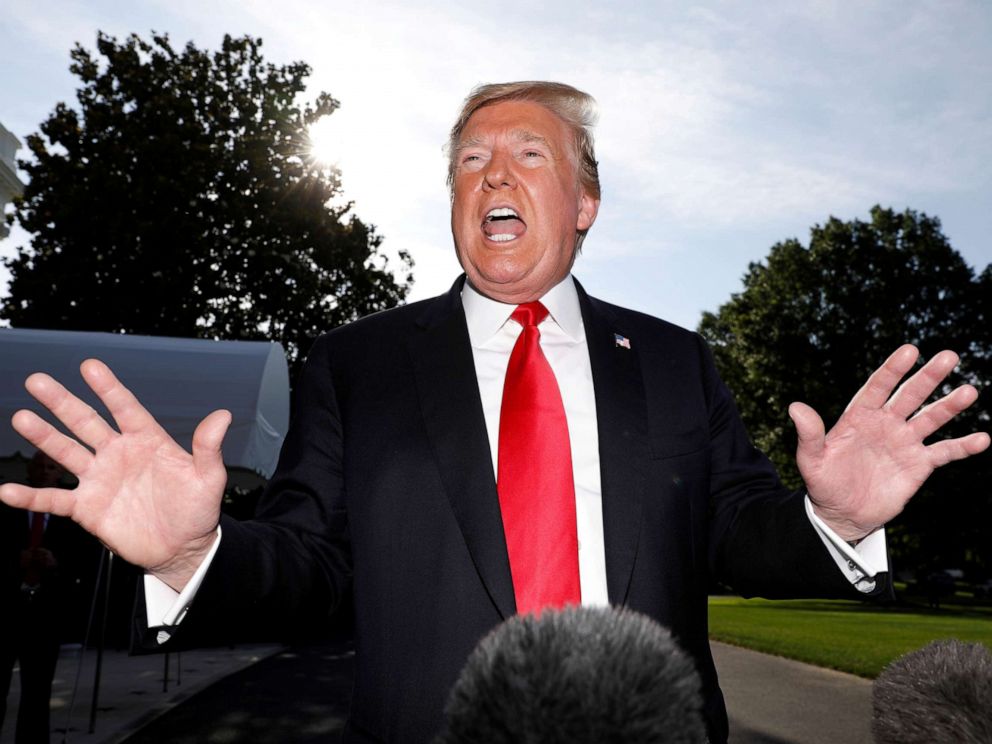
x=48 y=567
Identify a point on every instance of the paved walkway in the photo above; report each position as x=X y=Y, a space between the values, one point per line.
x=300 y=696
x=133 y=691
x=779 y=701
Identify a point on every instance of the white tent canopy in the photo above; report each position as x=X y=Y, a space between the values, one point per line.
x=179 y=380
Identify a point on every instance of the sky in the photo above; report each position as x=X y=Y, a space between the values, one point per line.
x=724 y=127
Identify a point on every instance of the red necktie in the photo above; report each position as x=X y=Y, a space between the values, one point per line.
x=535 y=485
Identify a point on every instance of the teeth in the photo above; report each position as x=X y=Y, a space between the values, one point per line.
x=501 y=212
x=502 y=237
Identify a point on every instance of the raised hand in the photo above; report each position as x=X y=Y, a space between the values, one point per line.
x=139 y=492
x=862 y=472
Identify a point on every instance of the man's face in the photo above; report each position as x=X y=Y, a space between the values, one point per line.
x=517 y=201
x=43 y=471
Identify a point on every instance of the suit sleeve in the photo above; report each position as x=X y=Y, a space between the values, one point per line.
x=761 y=541
x=293 y=560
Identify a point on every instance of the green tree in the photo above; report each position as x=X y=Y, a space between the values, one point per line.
x=178 y=198
x=813 y=322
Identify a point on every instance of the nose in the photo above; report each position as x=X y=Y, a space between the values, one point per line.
x=499 y=173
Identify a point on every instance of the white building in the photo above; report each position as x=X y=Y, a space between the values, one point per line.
x=10 y=184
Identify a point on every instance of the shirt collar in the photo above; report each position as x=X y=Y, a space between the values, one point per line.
x=486 y=316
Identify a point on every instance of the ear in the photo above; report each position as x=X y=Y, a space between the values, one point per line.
x=588 y=209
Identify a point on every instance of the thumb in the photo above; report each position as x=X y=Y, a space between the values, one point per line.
x=809 y=427
x=207 y=440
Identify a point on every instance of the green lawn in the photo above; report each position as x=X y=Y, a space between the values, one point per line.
x=854 y=637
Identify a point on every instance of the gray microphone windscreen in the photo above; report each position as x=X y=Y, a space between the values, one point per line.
x=577 y=675
x=940 y=693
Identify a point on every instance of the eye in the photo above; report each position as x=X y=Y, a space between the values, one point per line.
x=472 y=161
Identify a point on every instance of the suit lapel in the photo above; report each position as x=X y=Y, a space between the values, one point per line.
x=449 y=396
x=452 y=409
x=622 y=424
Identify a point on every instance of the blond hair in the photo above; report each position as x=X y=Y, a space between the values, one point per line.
x=575 y=108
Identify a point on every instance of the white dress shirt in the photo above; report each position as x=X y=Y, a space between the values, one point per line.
x=563 y=340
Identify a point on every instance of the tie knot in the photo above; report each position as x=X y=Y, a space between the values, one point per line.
x=530 y=313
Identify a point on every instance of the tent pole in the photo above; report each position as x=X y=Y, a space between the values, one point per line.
x=102 y=643
x=86 y=641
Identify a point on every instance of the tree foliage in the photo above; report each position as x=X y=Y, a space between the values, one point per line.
x=811 y=324
x=177 y=198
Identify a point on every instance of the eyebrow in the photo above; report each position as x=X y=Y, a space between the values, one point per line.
x=523 y=135
x=520 y=135
x=469 y=142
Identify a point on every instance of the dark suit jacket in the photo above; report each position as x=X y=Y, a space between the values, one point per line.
x=59 y=607
x=385 y=483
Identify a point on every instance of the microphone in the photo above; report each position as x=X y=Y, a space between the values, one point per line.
x=939 y=693
x=577 y=675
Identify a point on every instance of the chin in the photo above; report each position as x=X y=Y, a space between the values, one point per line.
x=499 y=270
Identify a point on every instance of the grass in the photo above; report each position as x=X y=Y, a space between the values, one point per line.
x=854 y=637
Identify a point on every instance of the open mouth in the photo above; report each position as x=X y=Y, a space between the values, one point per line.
x=503 y=224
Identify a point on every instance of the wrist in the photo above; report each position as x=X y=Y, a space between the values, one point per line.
x=850 y=531
x=178 y=571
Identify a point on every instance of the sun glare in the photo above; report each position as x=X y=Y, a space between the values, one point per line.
x=325 y=141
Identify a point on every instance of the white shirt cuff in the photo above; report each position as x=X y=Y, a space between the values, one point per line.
x=860 y=563
x=164 y=606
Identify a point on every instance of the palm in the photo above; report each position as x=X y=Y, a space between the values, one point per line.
x=861 y=474
x=139 y=492
x=144 y=499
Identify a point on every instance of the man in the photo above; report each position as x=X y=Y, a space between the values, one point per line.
x=47 y=567
x=388 y=477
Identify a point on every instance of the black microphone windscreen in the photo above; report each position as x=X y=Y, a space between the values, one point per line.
x=940 y=693
x=577 y=675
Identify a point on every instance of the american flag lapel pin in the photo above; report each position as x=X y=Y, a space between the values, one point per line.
x=621 y=341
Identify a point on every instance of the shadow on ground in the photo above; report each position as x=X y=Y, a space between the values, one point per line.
x=300 y=696
x=743 y=735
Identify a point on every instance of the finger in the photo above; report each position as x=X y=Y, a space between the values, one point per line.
x=883 y=380
x=207 y=441
x=930 y=418
x=52 y=500
x=66 y=451
x=912 y=393
x=127 y=411
x=809 y=427
x=950 y=450
x=78 y=417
